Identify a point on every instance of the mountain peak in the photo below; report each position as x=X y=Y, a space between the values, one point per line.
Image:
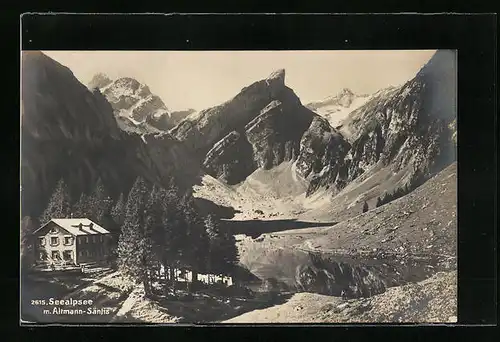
x=99 y=80
x=277 y=75
x=346 y=91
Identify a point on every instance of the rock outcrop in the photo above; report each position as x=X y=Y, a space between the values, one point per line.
x=276 y=132
x=170 y=120
x=230 y=159
x=322 y=152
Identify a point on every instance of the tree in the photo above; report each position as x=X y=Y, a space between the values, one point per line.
x=365 y=207
x=223 y=253
x=196 y=245
x=99 y=203
x=130 y=242
x=81 y=208
x=118 y=211
x=214 y=238
x=152 y=236
x=28 y=226
x=59 y=203
x=229 y=253
x=379 y=202
x=172 y=234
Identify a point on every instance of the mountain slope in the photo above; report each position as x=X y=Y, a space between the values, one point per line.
x=70 y=132
x=424 y=221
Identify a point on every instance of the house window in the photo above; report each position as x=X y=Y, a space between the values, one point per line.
x=43 y=256
x=68 y=240
x=54 y=240
x=80 y=253
x=100 y=238
x=86 y=239
x=56 y=255
x=88 y=252
x=41 y=241
x=94 y=238
x=67 y=255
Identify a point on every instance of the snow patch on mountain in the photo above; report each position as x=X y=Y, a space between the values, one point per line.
x=134 y=101
x=336 y=108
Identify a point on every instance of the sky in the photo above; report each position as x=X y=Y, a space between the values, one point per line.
x=202 y=79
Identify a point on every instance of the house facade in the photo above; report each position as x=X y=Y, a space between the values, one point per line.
x=71 y=242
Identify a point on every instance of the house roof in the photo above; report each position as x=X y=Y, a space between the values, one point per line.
x=72 y=226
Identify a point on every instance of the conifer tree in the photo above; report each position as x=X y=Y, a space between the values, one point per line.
x=99 y=203
x=229 y=251
x=365 y=207
x=59 y=203
x=223 y=253
x=196 y=243
x=172 y=235
x=169 y=251
x=213 y=234
x=379 y=202
x=152 y=236
x=80 y=208
x=118 y=211
x=130 y=242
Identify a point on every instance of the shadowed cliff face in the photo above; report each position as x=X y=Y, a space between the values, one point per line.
x=322 y=151
x=70 y=132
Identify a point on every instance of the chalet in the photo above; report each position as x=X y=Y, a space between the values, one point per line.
x=71 y=242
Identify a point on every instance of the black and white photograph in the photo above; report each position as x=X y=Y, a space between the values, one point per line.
x=238 y=187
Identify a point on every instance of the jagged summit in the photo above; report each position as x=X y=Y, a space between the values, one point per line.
x=99 y=80
x=277 y=75
x=346 y=91
x=135 y=106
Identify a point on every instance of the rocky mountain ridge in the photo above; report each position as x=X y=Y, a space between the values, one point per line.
x=135 y=106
